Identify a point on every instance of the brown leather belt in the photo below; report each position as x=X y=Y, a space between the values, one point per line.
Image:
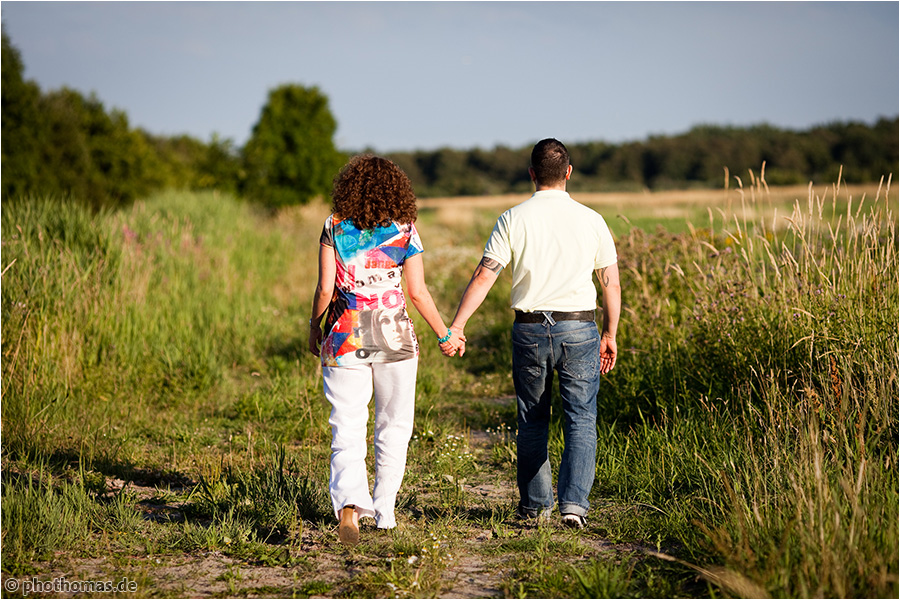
x=538 y=316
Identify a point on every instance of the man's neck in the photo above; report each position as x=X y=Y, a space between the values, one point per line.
x=549 y=188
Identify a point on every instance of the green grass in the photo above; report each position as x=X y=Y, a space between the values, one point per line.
x=159 y=405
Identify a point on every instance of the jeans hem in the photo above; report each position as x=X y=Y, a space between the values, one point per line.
x=573 y=509
x=534 y=513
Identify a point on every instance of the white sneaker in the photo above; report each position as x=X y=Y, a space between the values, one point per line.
x=574 y=521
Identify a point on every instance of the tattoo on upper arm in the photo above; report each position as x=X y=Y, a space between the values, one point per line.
x=491 y=264
x=604 y=278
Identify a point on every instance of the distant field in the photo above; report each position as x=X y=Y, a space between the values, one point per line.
x=670 y=209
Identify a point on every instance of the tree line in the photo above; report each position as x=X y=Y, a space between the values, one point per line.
x=702 y=157
x=63 y=144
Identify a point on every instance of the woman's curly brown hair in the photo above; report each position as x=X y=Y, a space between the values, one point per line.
x=373 y=191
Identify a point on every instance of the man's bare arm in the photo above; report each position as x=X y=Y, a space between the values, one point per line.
x=481 y=283
x=603 y=277
x=490 y=263
x=611 y=290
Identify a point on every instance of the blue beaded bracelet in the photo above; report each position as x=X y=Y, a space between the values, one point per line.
x=446 y=338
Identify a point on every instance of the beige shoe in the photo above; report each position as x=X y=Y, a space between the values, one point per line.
x=348 y=530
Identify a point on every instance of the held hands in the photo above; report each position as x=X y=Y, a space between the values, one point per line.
x=456 y=343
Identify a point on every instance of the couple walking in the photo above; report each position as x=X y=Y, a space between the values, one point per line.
x=367 y=344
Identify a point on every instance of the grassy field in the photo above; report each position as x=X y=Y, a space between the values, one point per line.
x=164 y=426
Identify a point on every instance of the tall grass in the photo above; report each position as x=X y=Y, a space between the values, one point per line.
x=764 y=392
x=118 y=319
x=748 y=435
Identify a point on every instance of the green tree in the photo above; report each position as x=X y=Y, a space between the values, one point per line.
x=290 y=157
x=94 y=155
x=187 y=163
x=219 y=166
x=178 y=156
x=22 y=129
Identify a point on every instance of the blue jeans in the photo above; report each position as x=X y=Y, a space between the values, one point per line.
x=572 y=348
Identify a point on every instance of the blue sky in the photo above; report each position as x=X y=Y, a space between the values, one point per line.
x=422 y=75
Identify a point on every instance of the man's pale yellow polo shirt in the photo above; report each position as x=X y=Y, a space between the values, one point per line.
x=554 y=245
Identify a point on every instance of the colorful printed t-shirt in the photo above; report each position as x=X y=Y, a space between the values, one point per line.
x=367 y=320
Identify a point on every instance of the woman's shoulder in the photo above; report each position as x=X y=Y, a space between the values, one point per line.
x=343 y=226
x=338 y=224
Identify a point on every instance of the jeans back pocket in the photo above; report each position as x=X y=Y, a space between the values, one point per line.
x=526 y=363
x=581 y=360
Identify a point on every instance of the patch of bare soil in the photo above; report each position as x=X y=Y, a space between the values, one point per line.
x=471 y=577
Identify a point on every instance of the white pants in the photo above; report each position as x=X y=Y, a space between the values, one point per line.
x=349 y=389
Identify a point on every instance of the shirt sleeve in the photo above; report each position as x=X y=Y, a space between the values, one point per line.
x=327 y=237
x=498 y=246
x=415 y=242
x=606 y=252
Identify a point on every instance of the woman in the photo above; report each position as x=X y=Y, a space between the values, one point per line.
x=367 y=245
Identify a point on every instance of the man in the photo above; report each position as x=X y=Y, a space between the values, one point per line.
x=553 y=244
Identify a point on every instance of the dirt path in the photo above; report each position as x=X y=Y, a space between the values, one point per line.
x=315 y=565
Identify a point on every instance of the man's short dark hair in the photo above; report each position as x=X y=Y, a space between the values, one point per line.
x=550 y=160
